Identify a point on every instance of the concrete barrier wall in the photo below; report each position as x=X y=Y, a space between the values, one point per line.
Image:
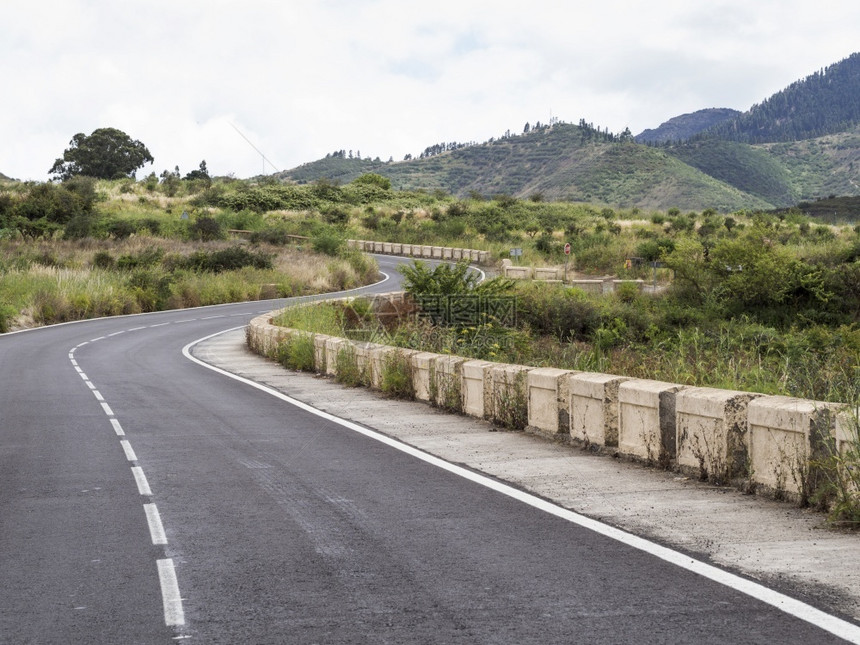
x=772 y=443
x=421 y=251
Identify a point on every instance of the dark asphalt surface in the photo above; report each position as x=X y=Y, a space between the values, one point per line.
x=285 y=528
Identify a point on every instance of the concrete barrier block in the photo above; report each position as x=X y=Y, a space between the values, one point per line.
x=646 y=420
x=387 y=247
x=547 y=404
x=712 y=433
x=333 y=345
x=456 y=254
x=518 y=273
x=378 y=247
x=426 y=251
x=447 y=253
x=422 y=367
x=364 y=359
x=786 y=435
x=320 y=353
x=472 y=387
x=594 y=408
x=447 y=383
x=396 y=249
x=436 y=252
x=546 y=273
x=507 y=403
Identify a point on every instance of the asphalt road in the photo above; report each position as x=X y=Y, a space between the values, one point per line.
x=146 y=499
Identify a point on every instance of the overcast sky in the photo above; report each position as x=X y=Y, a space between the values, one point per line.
x=383 y=77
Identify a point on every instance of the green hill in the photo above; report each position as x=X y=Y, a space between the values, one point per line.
x=562 y=162
x=748 y=168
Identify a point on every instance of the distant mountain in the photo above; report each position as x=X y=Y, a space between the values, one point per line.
x=827 y=102
x=681 y=128
x=801 y=144
x=4 y=177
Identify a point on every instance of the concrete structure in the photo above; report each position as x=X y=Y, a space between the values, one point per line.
x=447 y=382
x=646 y=420
x=506 y=394
x=712 y=433
x=333 y=345
x=472 y=385
x=594 y=408
x=778 y=445
x=548 y=273
x=422 y=371
x=549 y=400
x=786 y=436
x=518 y=273
x=421 y=251
x=320 y=359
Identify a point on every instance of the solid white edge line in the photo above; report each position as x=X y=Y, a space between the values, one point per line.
x=141 y=481
x=837 y=626
x=156 y=528
x=170 y=598
x=128 y=450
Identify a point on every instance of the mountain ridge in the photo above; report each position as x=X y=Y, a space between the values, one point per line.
x=713 y=158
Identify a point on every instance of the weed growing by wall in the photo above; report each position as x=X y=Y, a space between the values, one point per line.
x=397 y=376
x=297 y=352
x=347 y=371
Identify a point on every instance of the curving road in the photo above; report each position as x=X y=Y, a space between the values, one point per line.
x=146 y=499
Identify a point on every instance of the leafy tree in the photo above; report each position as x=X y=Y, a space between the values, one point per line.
x=200 y=173
x=107 y=153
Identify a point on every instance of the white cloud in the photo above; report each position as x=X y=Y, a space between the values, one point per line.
x=301 y=79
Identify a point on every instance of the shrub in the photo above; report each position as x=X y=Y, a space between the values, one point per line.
x=347 y=371
x=206 y=228
x=103 y=260
x=328 y=242
x=297 y=352
x=397 y=376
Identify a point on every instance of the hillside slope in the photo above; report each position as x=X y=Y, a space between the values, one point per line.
x=564 y=162
x=681 y=128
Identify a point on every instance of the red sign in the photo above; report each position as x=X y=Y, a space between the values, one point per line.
x=567 y=249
